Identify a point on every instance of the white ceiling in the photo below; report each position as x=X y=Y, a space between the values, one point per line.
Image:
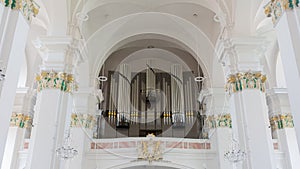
x=183 y=25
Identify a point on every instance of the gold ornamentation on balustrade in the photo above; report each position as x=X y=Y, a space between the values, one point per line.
x=245 y=80
x=282 y=121
x=29 y=8
x=150 y=149
x=216 y=121
x=56 y=80
x=20 y=120
x=83 y=120
x=275 y=8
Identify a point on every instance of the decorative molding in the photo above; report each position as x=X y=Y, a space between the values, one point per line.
x=216 y=121
x=83 y=120
x=53 y=80
x=282 y=121
x=28 y=8
x=20 y=120
x=150 y=150
x=275 y=8
x=245 y=80
x=133 y=143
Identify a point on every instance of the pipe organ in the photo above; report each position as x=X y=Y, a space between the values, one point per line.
x=151 y=101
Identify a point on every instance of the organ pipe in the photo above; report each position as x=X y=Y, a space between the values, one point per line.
x=178 y=116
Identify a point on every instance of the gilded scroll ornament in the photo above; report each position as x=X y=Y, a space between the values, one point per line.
x=53 y=80
x=20 y=120
x=245 y=80
x=216 y=121
x=281 y=121
x=87 y=121
x=29 y=8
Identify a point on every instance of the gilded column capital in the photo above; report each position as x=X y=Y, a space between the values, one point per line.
x=87 y=121
x=275 y=8
x=56 y=80
x=218 y=121
x=282 y=121
x=28 y=8
x=20 y=120
x=245 y=80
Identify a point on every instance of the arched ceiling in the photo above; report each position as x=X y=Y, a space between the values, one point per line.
x=155 y=49
x=195 y=13
x=126 y=30
x=193 y=26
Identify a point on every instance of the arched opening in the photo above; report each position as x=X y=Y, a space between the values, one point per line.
x=150 y=86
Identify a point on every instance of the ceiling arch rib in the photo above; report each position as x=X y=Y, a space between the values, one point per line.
x=211 y=5
x=194 y=13
x=112 y=34
x=134 y=53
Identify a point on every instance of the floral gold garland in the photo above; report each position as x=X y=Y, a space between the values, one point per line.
x=83 y=120
x=29 y=8
x=281 y=121
x=245 y=80
x=53 y=80
x=20 y=120
x=216 y=121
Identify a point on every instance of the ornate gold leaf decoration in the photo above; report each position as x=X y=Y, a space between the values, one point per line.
x=29 y=8
x=282 y=121
x=150 y=149
x=53 y=80
x=215 y=121
x=275 y=8
x=20 y=120
x=83 y=120
x=245 y=80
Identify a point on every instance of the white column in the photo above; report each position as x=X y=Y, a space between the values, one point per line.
x=1 y=11
x=219 y=122
x=253 y=132
x=53 y=103
x=19 y=123
x=248 y=104
x=13 y=56
x=3 y=21
x=288 y=40
x=82 y=124
x=282 y=125
x=12 y=149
